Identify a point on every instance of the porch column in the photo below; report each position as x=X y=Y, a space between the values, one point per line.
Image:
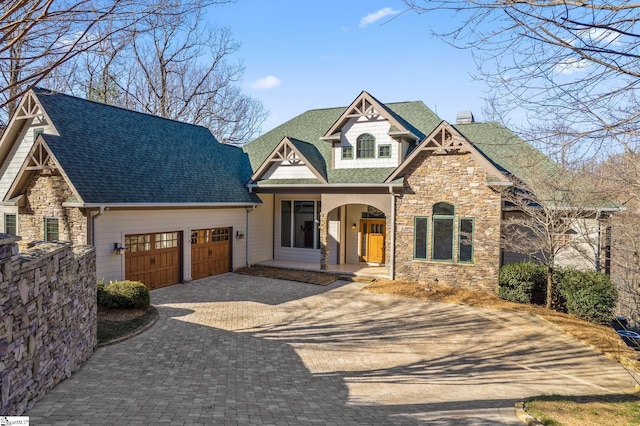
x=324 y=241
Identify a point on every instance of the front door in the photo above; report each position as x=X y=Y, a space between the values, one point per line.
x=373 y=236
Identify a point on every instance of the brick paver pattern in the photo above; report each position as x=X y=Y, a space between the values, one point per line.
x=243 y=350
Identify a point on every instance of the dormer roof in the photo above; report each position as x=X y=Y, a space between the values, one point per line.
x=366 y=105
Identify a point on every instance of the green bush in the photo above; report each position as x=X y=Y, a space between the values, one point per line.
x=523 y=282
x=589 y=295
x=123 y=294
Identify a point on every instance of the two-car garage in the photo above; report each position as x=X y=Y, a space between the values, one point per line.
x=156 y=259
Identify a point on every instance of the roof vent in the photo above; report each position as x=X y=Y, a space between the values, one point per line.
x=464 y=117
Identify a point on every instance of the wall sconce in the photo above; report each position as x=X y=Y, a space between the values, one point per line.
x=353 y=226
x=118 y=249
x=239 y=235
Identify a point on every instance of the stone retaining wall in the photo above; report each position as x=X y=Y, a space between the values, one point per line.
x=48 y=325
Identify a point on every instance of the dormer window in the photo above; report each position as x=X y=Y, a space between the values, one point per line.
x=366 y=146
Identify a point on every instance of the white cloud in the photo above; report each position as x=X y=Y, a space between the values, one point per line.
x=375 y=16
x=266 y=83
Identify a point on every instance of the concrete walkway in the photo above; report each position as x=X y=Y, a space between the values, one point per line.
x=239 y=350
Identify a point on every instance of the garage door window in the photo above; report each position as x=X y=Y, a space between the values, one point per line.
x=136 y=243
x=166 y=240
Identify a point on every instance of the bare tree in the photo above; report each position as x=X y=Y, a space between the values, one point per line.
x=560 y=60
x=553 y=218
x=39 y=36
x=180 y=70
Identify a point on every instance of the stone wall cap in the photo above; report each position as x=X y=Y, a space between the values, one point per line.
x=8 y=239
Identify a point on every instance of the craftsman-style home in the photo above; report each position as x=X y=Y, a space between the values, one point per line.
x=389 y=186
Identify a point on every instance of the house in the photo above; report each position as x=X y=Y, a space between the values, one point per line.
x=89 y=173
x=387 y=185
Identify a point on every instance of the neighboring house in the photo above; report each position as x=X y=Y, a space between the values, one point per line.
x=390 y=185
x=89 y=173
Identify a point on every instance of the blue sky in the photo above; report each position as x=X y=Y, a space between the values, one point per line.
x=300 y=55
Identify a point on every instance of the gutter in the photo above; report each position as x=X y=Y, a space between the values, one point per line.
x=324 y=186
x=154 y=205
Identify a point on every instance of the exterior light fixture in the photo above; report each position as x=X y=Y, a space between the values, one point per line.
x=353 y=226
x=239 y=235
x=118 y=249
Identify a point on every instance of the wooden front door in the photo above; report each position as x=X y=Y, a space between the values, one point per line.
x=373 y=238
x=210 y=252
x=153 y=259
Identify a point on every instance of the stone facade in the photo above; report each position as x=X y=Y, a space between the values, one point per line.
x=45 y=194
x=456 y=179
x=48 y=325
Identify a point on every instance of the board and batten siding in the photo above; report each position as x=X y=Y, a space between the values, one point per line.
x=112 y=226
x=261 y=230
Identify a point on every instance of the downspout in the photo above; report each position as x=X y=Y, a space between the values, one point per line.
x=597 y=259
x=93 y=226
x=246 y=238
x=392 y=255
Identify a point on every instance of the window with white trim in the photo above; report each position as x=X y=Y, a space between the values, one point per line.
x=300 y=224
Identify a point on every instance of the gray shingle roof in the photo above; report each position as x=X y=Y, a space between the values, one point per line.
x=311 y=125
x=113 y=155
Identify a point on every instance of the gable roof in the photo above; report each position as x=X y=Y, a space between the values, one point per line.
x=312 y=125
x=291 y=149
x=117 y=156
x=367 y=105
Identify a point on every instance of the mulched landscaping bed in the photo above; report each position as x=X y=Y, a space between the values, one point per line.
x=310 y=277
x=114 y=324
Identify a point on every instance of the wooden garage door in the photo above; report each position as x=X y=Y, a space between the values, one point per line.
x=153 y=259
x=210 y=252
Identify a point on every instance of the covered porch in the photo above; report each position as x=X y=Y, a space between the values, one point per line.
x=348 y=269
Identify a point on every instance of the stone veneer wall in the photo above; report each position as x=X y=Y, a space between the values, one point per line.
x=48 y=325
x=459 y=180
x=45 y=194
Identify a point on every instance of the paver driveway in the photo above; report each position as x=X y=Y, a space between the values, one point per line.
x=237 y=349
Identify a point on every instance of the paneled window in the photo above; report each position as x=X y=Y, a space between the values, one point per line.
x=465 y=240
x=10 y=223
x=347 y=152
x=51 y=229
x=420 y=238
x=366 y=146
x=300 y=223
x=443 y=231
x=384 y=151
x=136 y=243
x=165 y=240
x=449 y=243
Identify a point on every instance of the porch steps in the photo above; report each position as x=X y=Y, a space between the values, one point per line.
x=357 y=278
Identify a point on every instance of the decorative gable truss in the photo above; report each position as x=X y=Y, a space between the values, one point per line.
x=31 y=108
x=39 y=158
x=287 y=161
x=446 y=140
x=367 y=106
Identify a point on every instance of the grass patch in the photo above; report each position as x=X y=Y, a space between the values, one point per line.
x=117 y=323
x=591 y=410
